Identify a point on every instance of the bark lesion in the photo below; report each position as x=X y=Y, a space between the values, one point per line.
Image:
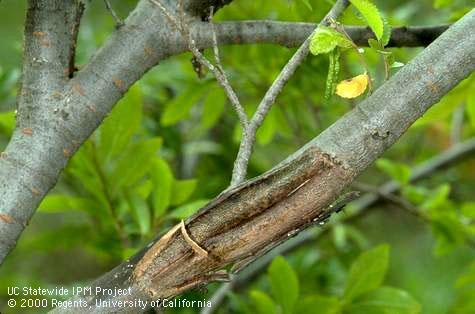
x=222 y=233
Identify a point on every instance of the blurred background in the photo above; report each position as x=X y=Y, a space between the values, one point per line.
x=168 y=147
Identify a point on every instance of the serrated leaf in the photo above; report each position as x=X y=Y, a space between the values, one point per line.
x=325 y=39
x=367 y=272
x=262 y=302
x=162 y=178
x=353 y=87
x=284 y=284
x=386 y=32
x=372 y=16
x=385 y=300
x=182 y=190
x=187 y=210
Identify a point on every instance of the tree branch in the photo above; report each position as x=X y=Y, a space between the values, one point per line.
x=249 y=134
x=452 y=156
x=293 y=34
x=32 y=162
x=257 y=215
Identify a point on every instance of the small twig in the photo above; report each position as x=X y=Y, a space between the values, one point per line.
x=239 y=170
x=118 y=21
x=342 y=31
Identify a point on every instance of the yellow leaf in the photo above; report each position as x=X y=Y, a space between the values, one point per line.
x=352 y=87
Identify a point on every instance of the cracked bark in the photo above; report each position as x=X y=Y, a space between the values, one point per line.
x=255 y=216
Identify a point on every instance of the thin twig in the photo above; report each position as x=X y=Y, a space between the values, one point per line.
x=247 y=142
x=217 y=70
x=117 y=19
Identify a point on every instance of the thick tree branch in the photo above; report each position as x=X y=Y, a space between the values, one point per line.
x=293 y=34
x=452 y=156
x=55 y=119
x=257 y=215
x=32 y=161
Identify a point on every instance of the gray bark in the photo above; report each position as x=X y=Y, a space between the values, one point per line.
x=247 y=221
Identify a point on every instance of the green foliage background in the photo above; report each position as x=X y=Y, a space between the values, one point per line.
x=168 y=147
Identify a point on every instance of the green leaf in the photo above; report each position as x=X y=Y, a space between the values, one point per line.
x=325 y=39
x=448 y=232
x=7 y=122
x=141 y=212
x=119 y=127
x=439 y=4
x=397 y=171
x=179 y=107
x=307 y=4
x=262 y=302
x=134 y=164
x=468 y=209
x=415 y=194
x=162 y=178
x=372 y=16
x=187 y=210
x=269 y=127
x=284 y=284
x=386 y=32
x=213 y=107
x=367 y=272
x=437 y=199
x=385 y=300
x=316 y=304
x=55 y=203
x=182 y=190
x=467 y=278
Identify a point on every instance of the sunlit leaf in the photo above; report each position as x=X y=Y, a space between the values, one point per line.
x=325 y=39
x=372 y=16
x=353 y=87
